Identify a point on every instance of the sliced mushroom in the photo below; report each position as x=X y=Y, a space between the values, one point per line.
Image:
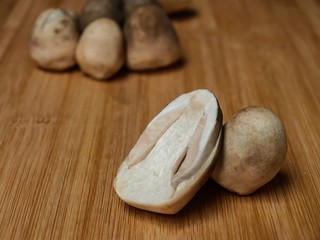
x=174 y=156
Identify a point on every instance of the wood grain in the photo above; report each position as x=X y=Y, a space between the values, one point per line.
x=63 y=135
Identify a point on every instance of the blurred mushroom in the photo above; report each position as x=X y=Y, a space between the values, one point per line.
x=151 y=39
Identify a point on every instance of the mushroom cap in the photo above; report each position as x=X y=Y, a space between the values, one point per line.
x=100 y=52
x=174 y=156
x=54 y=39
x=253 y=151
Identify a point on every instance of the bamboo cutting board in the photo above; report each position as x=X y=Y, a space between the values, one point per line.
x=63 y=135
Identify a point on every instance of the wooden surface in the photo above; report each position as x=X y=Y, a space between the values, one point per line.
x=63 y=135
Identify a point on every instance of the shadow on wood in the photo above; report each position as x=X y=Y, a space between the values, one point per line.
x=187 y=14
x=281 y=182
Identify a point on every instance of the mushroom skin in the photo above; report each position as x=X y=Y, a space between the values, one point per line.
x=95 y=9
x=253 y=150
x=100 y=52
x=151 y=39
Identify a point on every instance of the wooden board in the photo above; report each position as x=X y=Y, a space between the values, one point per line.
x=63 y=135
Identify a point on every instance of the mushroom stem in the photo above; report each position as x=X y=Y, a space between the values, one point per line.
x=151 y=39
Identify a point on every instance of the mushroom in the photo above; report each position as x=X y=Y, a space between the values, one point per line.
x=174 y=156
x=94 y=9
x=54 y=39
x=253 y=151
x=151 y=39
x=100 y=52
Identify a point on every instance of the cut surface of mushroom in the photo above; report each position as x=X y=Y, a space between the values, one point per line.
x=174 y=155
x=95 y=9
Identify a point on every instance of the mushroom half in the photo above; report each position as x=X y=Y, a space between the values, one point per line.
x=174 y=156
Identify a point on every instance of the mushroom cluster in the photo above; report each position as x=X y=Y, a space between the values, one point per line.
x=106 y=35
x=186 y=142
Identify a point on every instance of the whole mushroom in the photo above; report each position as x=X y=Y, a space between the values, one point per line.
x=100 y=52
x=253 y=151
x=54 y=39
x=151 y=39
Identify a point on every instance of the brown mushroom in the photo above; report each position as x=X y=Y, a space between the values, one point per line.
x=150 y=37
x=253 y=151
x=94 y=9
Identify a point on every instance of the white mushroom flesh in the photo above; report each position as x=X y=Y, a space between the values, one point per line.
x=172 y=155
